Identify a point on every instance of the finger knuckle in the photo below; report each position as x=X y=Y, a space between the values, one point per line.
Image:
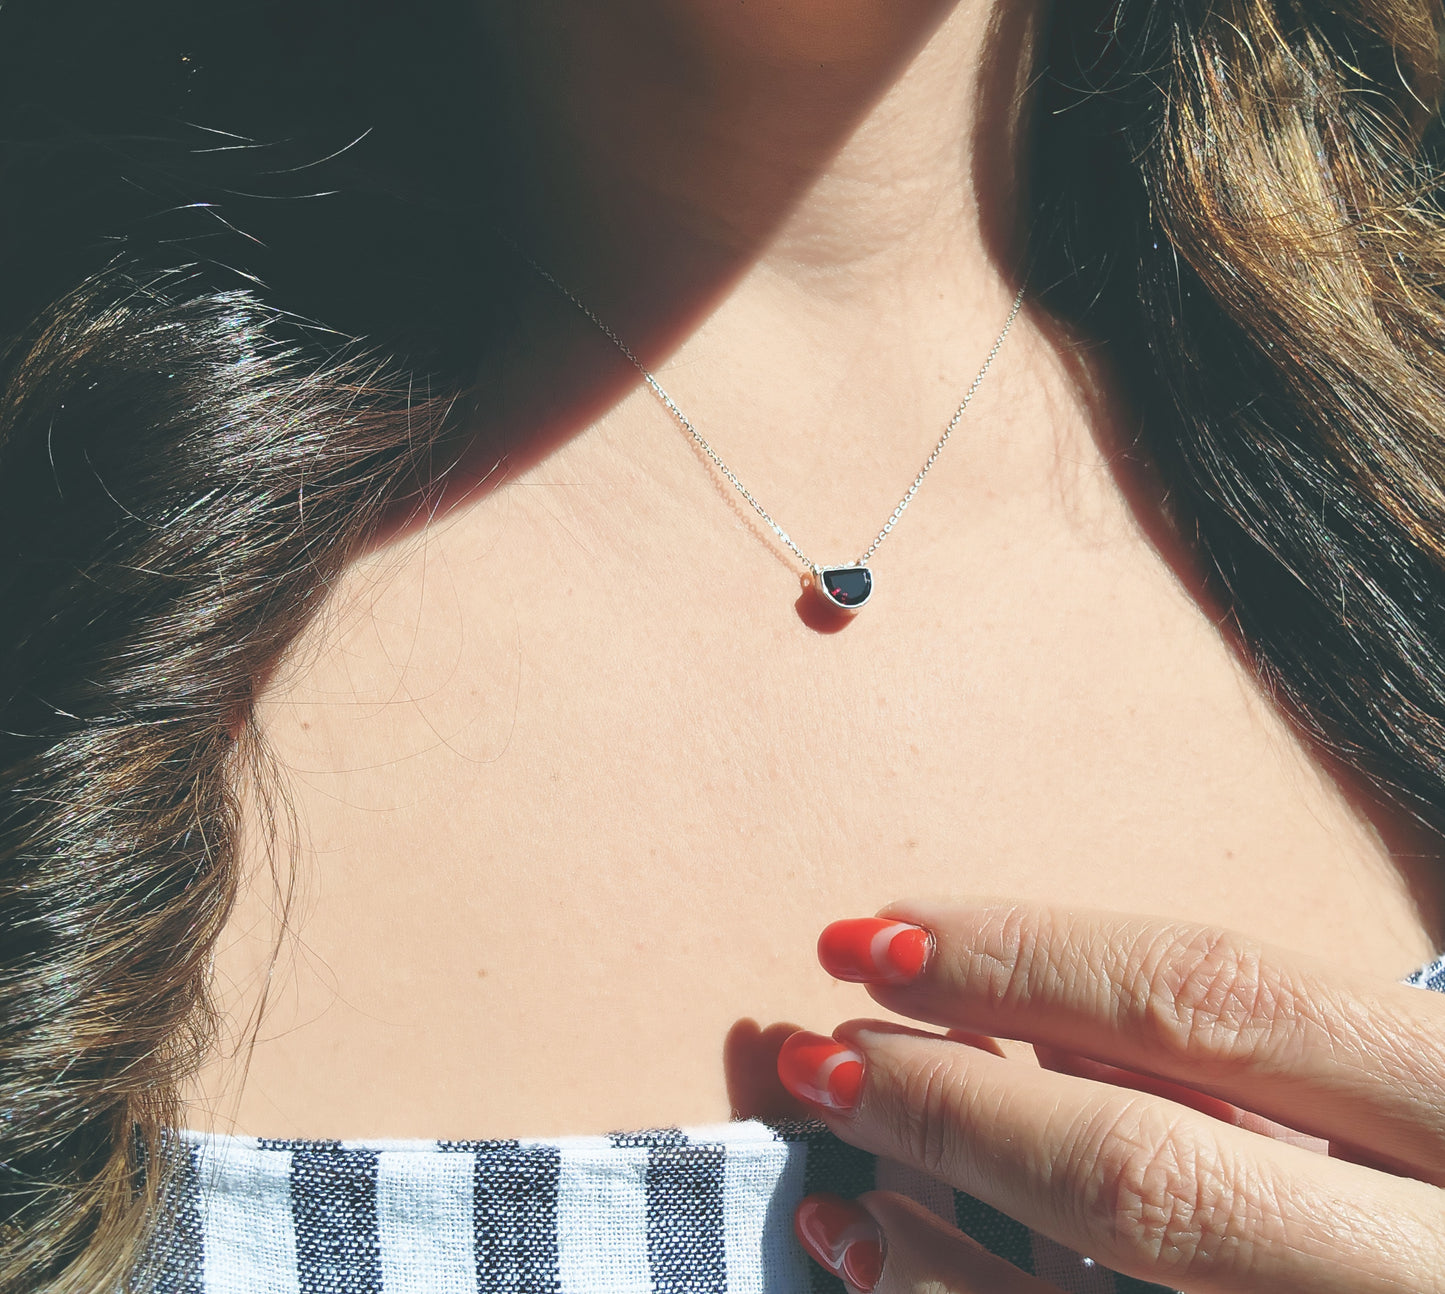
x=1019 y=947
x=931 y=1111
x=1208 y=994
x=1165 y=1199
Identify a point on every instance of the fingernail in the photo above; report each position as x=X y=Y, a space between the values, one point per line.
x=874 y=950
x=821 y=1071
x=843 y=1237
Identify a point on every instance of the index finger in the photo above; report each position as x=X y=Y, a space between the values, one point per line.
x=1337 y=1055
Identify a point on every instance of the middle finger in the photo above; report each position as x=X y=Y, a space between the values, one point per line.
x=1151 y=1188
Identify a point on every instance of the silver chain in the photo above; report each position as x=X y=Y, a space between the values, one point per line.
x=671 y=405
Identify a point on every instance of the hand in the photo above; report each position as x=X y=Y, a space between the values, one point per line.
x=1161 y=1135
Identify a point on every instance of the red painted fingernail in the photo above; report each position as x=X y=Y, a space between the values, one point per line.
x=863 y=1264
x=874 y=950
x=821 y=1071
x=842 y=1237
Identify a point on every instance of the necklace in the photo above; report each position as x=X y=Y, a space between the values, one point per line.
x=847 y=586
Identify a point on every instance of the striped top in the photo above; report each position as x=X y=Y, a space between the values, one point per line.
x=673 y=1211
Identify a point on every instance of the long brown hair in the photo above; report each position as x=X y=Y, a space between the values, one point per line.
x=1241 y=196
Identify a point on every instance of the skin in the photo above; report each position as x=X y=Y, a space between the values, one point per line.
x=571 y=742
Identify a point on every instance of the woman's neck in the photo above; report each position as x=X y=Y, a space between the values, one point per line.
x=660 y=150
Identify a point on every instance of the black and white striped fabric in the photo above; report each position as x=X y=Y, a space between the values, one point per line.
x=697 y=1211
x=1431 y=976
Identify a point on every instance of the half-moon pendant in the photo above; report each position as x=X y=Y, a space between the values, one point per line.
x=846 y=587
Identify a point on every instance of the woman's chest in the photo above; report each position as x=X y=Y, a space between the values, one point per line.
x=562 y=826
